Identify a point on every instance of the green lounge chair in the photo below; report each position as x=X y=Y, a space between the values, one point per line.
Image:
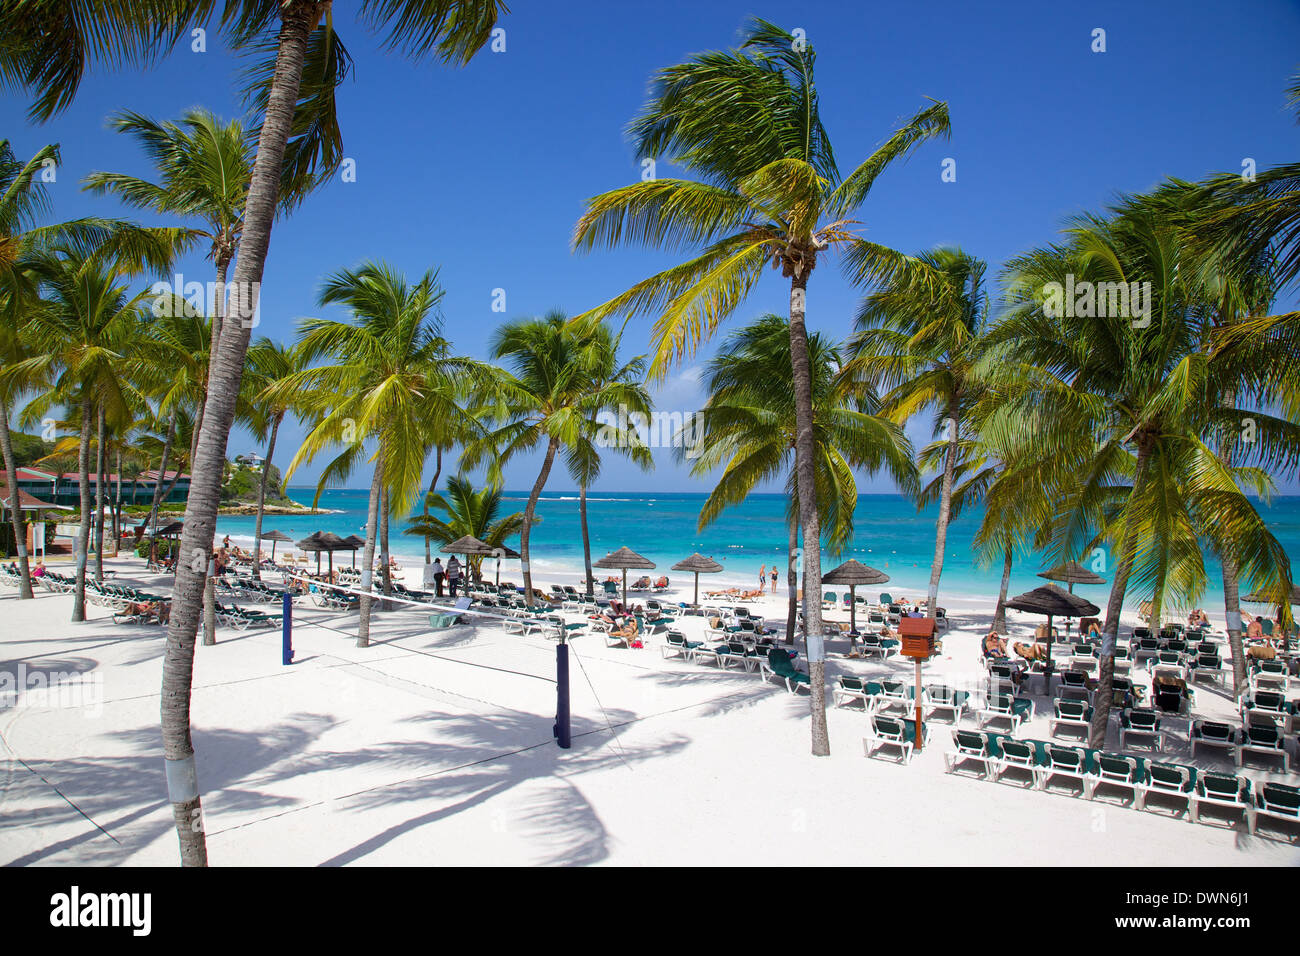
x=676 y=645
x=1168 y=780
x=1018 y=756
x=1075 y=714
x=1223 y=790
x=780 y=666
x=970 y=747
x=850 y=689
x=1264 y=739
x=1067 y=763
x=1115 y=770
x=1216 y=735
x=941 y=697
x=1141 y=722
x=893 y=732
x=1277 y=801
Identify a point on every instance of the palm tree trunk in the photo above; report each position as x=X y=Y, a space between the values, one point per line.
x=945 y=511
x=1232 y=611
x=261 y=497
x=792 y=581
x=117 y=504
x=433 y=487
x=368 y=555
x=100 y=498
x=806 y=489
x=225 y=371
x=383 y=543
x=83 y=532
x=526 y=531
x=1000 y=615
x=586 y=538
x=158 y=484
x=15 y=509
x=1114 y=607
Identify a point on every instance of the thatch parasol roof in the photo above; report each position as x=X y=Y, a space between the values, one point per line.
x=1072 y=572
x=1054 y=600
x=854 y=572
x=699 y=564
x=625 y=558
x=468 y=544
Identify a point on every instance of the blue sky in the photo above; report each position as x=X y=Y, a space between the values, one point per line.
x=483 y=171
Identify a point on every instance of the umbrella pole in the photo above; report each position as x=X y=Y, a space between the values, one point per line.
x=853 y=608
x=273 y=544
x=625 y=587
x=1047 y=671
x=697 y=587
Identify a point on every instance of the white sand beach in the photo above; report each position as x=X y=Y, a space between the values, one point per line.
x=435 y=747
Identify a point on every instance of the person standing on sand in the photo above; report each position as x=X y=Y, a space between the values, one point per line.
x=774 y=579
x=453 y=574
x=762 y=578
x=439 y=576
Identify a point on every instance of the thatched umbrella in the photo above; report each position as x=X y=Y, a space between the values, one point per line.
x=1254 y=597
x=1053 y=601
x=854 y=573
x=275 y=537
x=699 y=564
x=352 y=543
x=468 y=545
x=332 y=543
x=313 y=542
x=623 y=559
x=1071 y=573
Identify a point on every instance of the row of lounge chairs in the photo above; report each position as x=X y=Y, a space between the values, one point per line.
x=1047 y=766
x=766 y=659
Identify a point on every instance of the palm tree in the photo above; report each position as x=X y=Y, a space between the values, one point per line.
x=85 y=327
x=467 y=511
x=269 y=362
x=388 y=370
x=747 y=122
x=747 y=429
x=919 y=338
x=583 y=458
x=47 y=51
x=557 y=386
x=1130 y=406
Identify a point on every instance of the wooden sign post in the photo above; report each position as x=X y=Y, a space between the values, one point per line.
x=918 y=643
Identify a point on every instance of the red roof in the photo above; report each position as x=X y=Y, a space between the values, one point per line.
x=35 y=474
x=25 y=501
x=152 y=475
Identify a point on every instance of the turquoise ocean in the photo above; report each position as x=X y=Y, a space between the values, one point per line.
x=890 y=535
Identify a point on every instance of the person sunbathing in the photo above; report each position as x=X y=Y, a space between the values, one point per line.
x=1030 y=652
x=995 y=645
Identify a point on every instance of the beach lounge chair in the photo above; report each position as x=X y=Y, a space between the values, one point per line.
x=893 y=732
x=780 y=667
x=1227 y=791
x=1277 y=801
x=1064 y=763
x=676 y=645
x=1262 y=738
x=1083 y=657
x=1074 y=714
x=941 y=697
x=1208 y=667
x=1268 y=675
x=1215 y=735
x=850 y=689
x=1140 y=722
x=1115 y=770
x=1014 y=710
x=970 y=748
x=1269 y=703
x=881 y=647
x=1143 y=648
x=1073 y=685
x=1167 y=781
x=829 y=601
x=1019 y=758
